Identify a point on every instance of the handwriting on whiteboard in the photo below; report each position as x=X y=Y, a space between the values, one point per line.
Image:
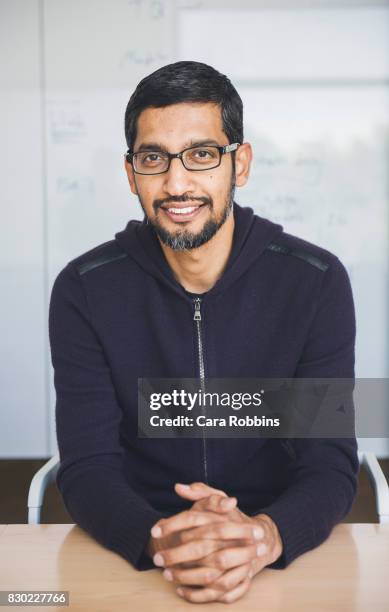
x=66 y=124
x=70 y=185
x=151 y=9
x=299 y=168
x=138 y=56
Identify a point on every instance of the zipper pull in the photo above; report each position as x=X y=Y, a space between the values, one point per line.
x=197 y=314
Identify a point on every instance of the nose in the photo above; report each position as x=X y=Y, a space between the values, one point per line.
x=178 y=179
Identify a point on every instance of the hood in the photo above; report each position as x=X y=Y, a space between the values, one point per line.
x=252 y=234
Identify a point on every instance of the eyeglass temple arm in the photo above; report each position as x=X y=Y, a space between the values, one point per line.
x=231 y=147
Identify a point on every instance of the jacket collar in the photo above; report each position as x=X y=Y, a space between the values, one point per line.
x=251 y=236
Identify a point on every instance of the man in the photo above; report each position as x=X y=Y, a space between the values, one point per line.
x=201 y=288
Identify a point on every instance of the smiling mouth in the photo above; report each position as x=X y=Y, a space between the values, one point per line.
x=182 y=213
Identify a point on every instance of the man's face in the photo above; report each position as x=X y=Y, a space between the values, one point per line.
x=174 y=128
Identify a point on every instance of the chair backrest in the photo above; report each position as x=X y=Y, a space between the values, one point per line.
x=379 y=483
x=48 y=472
x=43 y=477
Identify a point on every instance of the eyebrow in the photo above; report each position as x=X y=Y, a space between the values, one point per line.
x=157 y=146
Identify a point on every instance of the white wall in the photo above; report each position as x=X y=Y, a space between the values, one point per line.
x=23 y=356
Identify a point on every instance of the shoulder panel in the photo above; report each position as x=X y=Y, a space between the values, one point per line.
x=301 y=254
x=105 y=254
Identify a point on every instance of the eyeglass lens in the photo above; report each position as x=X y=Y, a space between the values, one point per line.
x=199 y=158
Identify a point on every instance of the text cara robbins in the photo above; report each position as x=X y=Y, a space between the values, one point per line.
x=203 y=421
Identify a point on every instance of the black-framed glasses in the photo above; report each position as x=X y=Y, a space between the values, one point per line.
x=195 y=159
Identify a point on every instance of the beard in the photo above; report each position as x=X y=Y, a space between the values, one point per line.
x=182 y=240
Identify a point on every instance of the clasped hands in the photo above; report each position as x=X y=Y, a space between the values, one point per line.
x=213 y=550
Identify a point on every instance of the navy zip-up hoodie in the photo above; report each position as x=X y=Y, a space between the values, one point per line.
x=282 y=308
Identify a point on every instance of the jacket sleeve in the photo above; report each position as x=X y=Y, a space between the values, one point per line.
x=91 y=477
x=323 y=472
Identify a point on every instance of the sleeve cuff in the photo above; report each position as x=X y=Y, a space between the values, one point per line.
x=295 y=528
x=129 y=536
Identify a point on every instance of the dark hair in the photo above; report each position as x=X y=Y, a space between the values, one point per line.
x=186 y=82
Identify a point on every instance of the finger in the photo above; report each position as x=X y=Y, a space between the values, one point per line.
x=184 y=520
x=231 y=578
x=256 y=565
x=210 y=594
x=226 y=530
x=199 y=576
x=217 y=503
x=186 y=552
x=196 y=490
x=221 y=544
x=236 y=593
x=232 y=557
x=198 y=595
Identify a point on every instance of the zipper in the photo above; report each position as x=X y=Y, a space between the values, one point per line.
x=197 y=318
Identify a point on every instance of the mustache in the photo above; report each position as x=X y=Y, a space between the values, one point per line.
x=158 y=203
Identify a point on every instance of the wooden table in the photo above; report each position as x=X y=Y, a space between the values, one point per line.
x=350 y=571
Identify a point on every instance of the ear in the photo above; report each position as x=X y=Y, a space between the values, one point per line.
x=130 y=175
x=243 y=158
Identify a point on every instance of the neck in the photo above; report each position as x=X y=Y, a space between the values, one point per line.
x=197 y=270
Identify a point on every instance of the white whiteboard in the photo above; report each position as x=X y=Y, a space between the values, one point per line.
x=110 y=48
x=63 y=91
x=315 y=90
x=68 y=72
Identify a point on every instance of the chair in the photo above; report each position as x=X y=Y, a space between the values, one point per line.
x=48 y=472
x=377 y=478
x=41 y=480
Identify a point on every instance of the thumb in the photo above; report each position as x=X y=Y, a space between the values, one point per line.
x=196 y=490
x=216 y=503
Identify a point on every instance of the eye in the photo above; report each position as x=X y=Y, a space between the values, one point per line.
x=202 y=153
x=152 y=157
